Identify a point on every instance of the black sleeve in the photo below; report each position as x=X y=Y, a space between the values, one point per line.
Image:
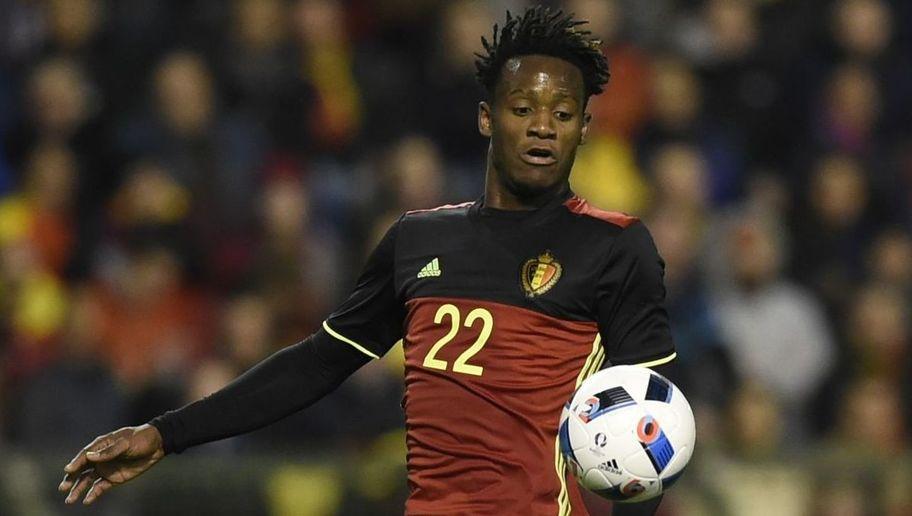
x=367 y=324
x=284 y=383
x=371 y=319
x=632 y=318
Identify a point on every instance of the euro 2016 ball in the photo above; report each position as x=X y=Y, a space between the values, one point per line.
x=627 y=433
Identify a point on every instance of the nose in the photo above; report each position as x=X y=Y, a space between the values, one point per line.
x=541 y=125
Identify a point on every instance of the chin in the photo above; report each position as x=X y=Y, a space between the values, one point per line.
x=534 y=184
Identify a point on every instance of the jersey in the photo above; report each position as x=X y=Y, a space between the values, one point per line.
x=502 y=314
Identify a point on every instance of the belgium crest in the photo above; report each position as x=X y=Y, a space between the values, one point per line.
x=540 y=274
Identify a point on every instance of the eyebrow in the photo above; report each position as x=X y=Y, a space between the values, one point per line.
x=562 y=93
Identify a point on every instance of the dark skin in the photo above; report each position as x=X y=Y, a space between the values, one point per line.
x=536 y=121
x=109 y=460
x=539 y=105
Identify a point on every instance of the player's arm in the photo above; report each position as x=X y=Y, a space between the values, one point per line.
x=633 y=321
x=284 y=383
x=632 y=317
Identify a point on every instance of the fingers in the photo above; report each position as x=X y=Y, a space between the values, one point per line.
x=79 y=461
x=103 y=448
x=111 y=451
x=67 y=483
x=81 y=478
x=90 y=481
x=82 y=484
x=74 y=469
x=98 y=488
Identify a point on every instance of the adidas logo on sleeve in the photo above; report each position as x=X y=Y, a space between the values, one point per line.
x=432 y=269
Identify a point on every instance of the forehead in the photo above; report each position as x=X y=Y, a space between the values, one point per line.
x=541 y=73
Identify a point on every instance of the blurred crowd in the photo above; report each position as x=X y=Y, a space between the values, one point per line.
x=189 y=186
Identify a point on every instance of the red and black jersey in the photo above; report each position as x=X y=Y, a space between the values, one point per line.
x=502 y=314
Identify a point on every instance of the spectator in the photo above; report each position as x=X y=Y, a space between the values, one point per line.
x=833 y=231
x=59 y=99
x=60 y=105
x=757 y=424
x=36 y=241
x=153 y=326
x=880 y=333
x=870 y=401
x=863 y=31
x=54 y=398
x=213 y=154
x=850 y=111
x=862 y=28
x=43 y=212
x=678 y=115
x=255 y=69
x=889 y=260
x=74 y=24
x=450 y=75
x=247 y=331
x=755 y=480
x=775 y=331
x=623 y=111
x=325 y=62
x=297 y=260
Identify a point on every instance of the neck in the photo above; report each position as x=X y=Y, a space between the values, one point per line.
x=499 y=195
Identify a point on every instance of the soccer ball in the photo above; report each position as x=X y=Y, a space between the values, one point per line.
x=627 y=433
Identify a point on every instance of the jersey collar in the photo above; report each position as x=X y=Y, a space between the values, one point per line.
x=479 y=209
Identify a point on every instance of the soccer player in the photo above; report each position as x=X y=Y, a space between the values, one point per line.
x=504 y=305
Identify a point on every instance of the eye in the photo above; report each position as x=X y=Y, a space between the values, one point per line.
x=563 y=116
x=522 y=110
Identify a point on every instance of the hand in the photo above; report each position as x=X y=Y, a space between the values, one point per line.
x=109 y=460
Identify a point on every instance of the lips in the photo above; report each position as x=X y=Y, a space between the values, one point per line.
x=539 y=156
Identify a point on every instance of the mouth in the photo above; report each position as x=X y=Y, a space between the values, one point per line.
x=539 y=156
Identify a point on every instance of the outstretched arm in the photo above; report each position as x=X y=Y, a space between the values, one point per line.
x=365 y=325
x=284 y=383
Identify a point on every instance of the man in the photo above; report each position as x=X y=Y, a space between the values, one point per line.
x=504 y=306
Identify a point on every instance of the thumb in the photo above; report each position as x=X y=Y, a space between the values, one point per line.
x=110 y=451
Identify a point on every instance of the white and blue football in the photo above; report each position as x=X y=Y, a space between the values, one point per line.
x=627 y=433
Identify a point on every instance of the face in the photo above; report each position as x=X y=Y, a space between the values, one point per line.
x=535 y=123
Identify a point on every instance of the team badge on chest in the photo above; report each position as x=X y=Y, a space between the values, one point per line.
x=538 y=275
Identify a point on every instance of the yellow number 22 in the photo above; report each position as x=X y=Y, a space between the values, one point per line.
x=460 y=365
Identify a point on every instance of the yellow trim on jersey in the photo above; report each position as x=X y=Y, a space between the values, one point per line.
x=347 y=340
x=563 y=502
x=660 y=361
x=593 y=364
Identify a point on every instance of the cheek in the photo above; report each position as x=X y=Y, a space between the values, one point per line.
x=506 y=135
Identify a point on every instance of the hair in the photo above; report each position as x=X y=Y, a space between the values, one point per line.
x=541 y=30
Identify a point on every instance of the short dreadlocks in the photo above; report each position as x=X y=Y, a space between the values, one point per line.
x=541 y=30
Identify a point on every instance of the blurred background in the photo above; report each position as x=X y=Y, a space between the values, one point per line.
x=188 y=186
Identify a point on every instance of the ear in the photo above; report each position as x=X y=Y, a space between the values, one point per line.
x=484 y=119
x=584 y=131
